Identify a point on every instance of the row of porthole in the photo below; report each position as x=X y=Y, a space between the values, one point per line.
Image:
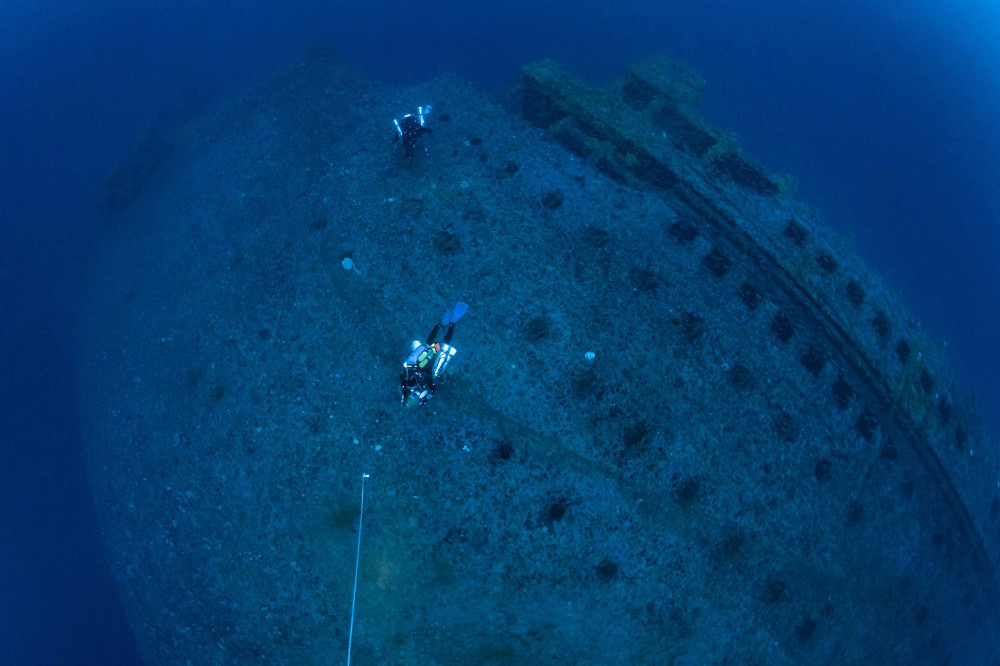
x=853 y=290
x=842 y=391
x=883 y=329
x=782 y=326
x=814 y=360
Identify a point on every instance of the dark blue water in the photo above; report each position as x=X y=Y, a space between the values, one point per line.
x=888 y=113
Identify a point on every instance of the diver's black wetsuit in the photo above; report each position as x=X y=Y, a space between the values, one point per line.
x=409 y=128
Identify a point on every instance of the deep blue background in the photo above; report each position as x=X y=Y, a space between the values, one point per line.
x=888 y=113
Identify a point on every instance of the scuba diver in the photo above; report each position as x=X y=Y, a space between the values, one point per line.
x=409 y=128
x=428 y=360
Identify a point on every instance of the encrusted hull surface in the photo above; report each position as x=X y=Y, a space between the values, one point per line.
x=761 y=460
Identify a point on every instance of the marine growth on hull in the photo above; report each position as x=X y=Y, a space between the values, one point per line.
x=682 y=422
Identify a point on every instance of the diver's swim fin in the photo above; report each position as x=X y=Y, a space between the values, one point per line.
x=453 y=315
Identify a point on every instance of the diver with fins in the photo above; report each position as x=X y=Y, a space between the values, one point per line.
x=427 y=361
x=409 y=128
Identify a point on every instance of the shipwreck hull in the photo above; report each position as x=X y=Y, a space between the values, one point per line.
x=762 y=460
